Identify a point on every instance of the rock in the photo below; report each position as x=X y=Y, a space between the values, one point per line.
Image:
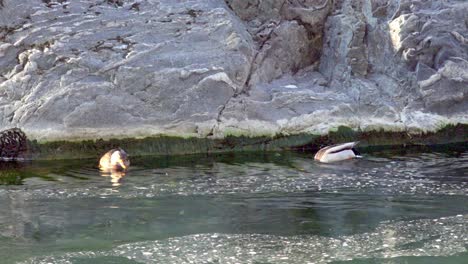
x=374 y=70
x=210 y=68
x=135 y=71
x=445 y=90
x=433 y=46
x=288 y=35
x=13 y=144
x=286 y=50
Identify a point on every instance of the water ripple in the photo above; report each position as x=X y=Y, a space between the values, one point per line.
x=444 y=236
x=236 y=208
x=425 y=174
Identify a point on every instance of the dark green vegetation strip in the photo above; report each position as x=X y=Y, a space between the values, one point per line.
x=167 y=145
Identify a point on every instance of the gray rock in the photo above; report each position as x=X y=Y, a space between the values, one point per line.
x=99 y=69
x=87 y=65
x=286 y=50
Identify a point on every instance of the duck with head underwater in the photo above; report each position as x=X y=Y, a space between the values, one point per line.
x=114 y=159
x=337 y=152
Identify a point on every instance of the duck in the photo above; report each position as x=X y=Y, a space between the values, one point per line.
x=114 y=159
x=337 y=152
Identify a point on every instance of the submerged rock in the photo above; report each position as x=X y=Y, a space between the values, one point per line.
x=88 y=70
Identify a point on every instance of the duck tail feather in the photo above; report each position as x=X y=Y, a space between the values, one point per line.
x=357 y=153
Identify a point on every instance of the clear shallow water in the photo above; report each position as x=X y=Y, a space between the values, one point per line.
x=239 y=208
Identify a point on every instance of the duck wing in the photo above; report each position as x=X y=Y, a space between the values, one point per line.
x=334 y=149
x=341 y=147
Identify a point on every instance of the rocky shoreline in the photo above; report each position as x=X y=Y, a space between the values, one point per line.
x=211 y=70
x=450 y=136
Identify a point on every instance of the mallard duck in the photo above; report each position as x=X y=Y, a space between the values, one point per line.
x=337 y=152
x=114 y=159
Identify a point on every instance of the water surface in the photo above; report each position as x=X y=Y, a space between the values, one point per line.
x=388 y=207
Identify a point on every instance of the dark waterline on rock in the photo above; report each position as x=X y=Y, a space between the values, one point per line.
x=446 y=139
x=252 y=207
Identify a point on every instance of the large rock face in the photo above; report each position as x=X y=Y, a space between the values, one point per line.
x=98 y=69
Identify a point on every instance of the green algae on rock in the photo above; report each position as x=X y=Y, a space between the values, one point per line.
x=171 y=145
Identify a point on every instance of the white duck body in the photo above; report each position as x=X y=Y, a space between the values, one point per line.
x=336 y=152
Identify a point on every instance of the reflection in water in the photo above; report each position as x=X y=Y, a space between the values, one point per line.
x=246 y=208
x=10 y=173
x=115 y=176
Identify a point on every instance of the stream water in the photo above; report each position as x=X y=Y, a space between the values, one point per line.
x=388 y=207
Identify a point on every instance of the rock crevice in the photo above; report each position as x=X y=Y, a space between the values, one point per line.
x=87 y=69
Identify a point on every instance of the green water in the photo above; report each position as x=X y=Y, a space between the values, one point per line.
x=389 y=207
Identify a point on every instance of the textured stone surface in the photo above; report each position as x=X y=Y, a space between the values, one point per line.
x=365 y=79
x=85 y=66
x=92 y=69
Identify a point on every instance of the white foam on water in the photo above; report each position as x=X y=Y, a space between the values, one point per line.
x=445 y=236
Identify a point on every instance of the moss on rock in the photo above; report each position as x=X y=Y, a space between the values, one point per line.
x=171 y=145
